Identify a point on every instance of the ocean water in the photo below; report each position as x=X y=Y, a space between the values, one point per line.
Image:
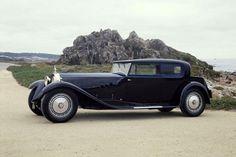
x=223 y=64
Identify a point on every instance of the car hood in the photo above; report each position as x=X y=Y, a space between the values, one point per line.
x=91 y=80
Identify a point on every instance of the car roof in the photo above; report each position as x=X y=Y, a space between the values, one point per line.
x=152 y=60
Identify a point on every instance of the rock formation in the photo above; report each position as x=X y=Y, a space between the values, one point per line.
x=223 y=86
x=107 y=45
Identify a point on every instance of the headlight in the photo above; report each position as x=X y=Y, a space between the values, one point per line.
x=46 y=80
x=56 y=77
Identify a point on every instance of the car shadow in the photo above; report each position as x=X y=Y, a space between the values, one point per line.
x=123 y=115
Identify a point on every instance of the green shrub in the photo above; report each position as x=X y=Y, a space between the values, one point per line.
x=225 y=103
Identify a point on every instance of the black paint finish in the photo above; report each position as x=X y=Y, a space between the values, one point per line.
x=118 y=91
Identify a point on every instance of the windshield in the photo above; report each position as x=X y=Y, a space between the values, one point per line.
x=121 y=68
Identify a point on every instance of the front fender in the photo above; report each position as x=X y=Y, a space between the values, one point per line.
x=39 y=85
x=63 y=84
x=195 y=84
x=36 y=84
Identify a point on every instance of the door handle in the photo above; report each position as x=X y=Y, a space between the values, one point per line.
x=129 y=80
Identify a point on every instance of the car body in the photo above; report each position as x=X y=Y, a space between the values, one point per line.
x=132 y=84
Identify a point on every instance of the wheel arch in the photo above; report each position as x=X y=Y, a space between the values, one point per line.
x=198 y=86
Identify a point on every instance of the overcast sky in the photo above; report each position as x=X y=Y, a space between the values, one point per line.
x=204 y=28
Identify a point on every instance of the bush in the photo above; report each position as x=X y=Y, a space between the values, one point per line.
x=225 y=103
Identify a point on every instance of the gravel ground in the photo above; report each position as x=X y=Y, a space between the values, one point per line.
x=136 y=133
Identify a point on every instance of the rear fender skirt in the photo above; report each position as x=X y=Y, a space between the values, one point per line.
x=62 y=84
x=198 y=85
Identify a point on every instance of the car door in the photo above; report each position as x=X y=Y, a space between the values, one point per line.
x=170 y=80
x=142 y=84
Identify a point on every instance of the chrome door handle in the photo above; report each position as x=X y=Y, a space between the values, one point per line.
x=129 y=80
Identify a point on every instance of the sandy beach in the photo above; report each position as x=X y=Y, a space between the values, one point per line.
x=91 y=133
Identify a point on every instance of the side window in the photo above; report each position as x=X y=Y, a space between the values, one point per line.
x=156 y=69
x=171 y=69
x=177 y=69
x=144 y=69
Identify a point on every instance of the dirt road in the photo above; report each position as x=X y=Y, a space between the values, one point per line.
x=144 y=133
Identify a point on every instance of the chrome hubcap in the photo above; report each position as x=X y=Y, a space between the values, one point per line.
x=194 y=101
x=60 y=105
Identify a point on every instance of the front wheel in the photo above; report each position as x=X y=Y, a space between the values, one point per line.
x=193 y=103
x=59 y=105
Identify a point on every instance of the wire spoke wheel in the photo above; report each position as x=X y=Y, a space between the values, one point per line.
x=59 y=105
x=193 y=103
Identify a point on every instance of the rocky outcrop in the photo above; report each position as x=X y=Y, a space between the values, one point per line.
x=223 y=86
x=96 y=48
x=107 y=45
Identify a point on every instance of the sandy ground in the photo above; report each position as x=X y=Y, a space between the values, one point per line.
x=143 y=133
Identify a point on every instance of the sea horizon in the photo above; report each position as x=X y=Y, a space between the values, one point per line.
x=222 y=64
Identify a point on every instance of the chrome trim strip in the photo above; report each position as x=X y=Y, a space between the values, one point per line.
x=150 y=107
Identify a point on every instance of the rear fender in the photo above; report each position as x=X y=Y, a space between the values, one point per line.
x=198 y=85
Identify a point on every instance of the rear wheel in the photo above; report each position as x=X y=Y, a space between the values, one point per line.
x=33 y=107
x=193 y=103
x=165 y=109
x=59 y=105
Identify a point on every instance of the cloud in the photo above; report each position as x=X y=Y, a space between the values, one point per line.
x=203 y=28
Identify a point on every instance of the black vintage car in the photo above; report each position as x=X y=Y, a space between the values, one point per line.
x=161 y=84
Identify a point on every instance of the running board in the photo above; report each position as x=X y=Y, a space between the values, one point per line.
x=153 y=107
